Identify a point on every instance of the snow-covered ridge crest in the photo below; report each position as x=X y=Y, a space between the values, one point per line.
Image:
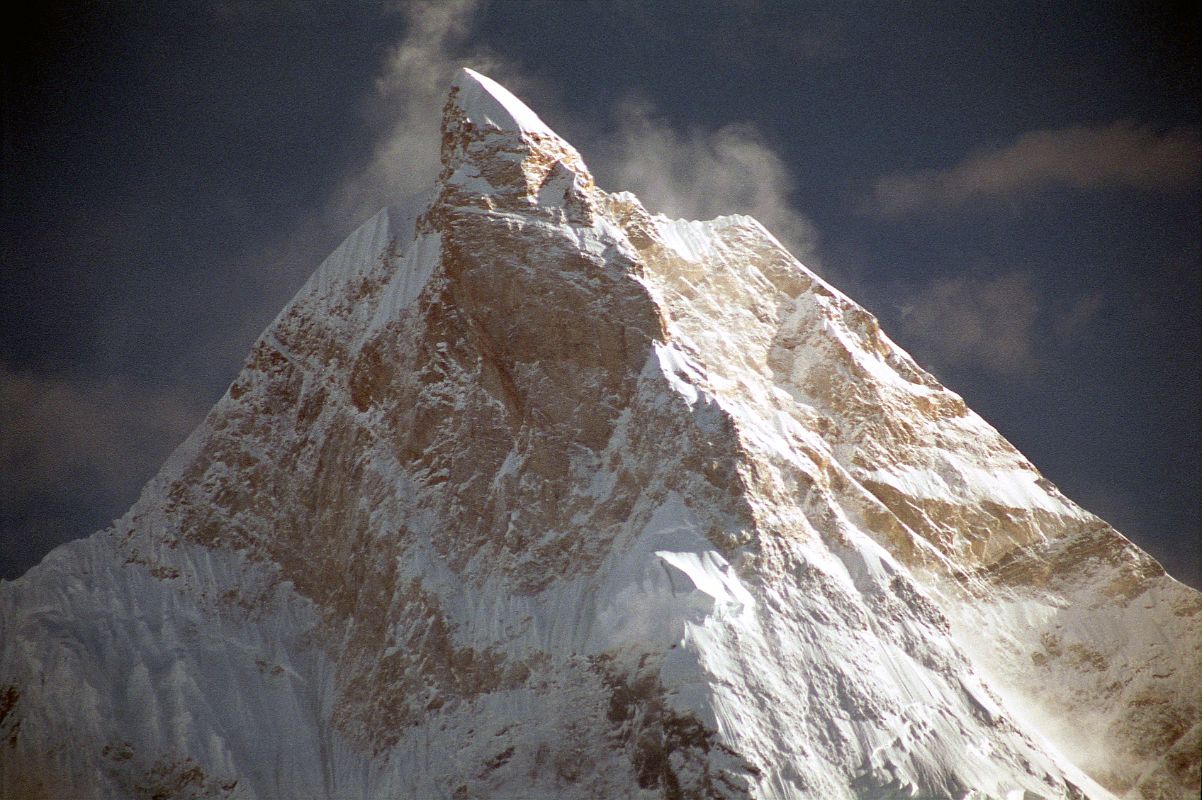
x=487 y=104
x=530 y=492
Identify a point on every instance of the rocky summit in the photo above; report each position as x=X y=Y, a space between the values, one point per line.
x=531 y=492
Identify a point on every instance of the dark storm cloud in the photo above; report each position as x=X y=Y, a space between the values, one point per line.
x=1124 y=155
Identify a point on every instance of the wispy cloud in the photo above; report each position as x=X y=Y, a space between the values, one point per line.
x=112 y=433
x=1083 y=312
x=406 y=106
x=72 y=448
x=966 y=321
x=1123 y=154
x=700 y=174
x=696 y=173
x=992 y=323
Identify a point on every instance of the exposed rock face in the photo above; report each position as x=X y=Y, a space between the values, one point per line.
x=532 y=493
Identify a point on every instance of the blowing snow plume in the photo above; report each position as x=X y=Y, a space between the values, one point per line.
x=533 y=492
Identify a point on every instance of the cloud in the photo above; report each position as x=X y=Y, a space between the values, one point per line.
x=966 y=321
x=1123 y=154
x=697 y=173
x=1079 y=317
x=112 y=434
x=994 y=324
x=73 y=451
x=701 y=174
x=406 y=107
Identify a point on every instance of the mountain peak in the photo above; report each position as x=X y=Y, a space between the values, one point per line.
x=497 y=153
x=487 y=104
x=531 y=492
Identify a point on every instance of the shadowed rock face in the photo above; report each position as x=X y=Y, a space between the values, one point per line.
x=530 y=492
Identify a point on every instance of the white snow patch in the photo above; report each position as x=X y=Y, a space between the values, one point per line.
x=409 y=278
x=955 y=480
x=670 y=576
x=488 y=104
x=682 y=373
x=691 y=241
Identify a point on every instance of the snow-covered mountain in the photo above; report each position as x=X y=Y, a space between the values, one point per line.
x=530 y=492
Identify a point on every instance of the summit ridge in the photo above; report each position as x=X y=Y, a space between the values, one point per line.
x=486 y=103
x=532 y=492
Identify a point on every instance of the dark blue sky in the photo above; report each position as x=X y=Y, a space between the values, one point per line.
x=1014 y=190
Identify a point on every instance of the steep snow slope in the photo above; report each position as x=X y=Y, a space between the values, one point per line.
x=532 y=493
